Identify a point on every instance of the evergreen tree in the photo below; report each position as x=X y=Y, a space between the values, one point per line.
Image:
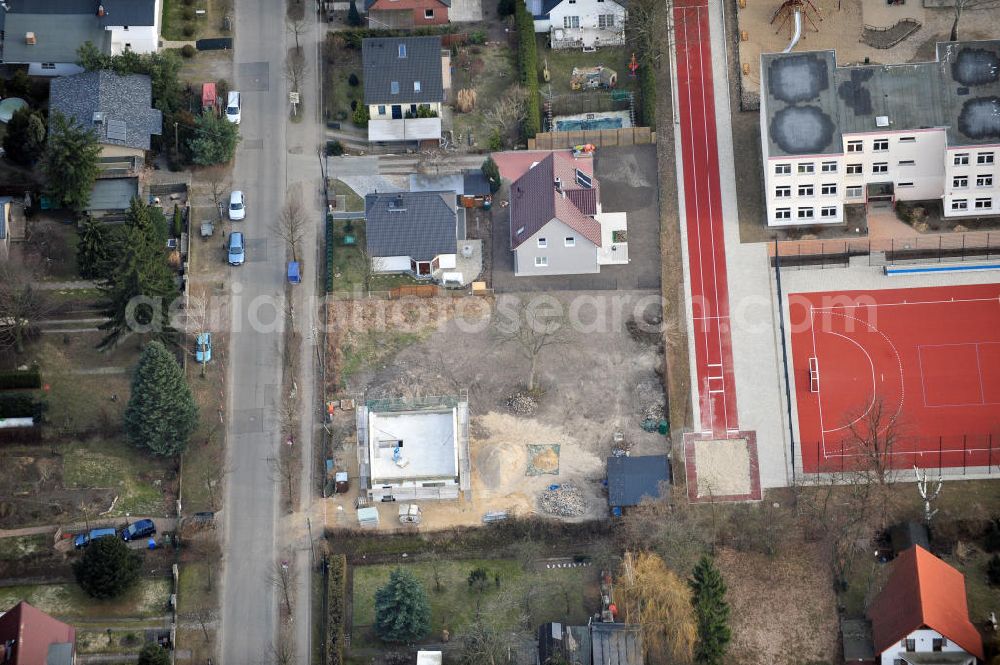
x=139 y=285
x=161 y=414
x=93 y=248
x=353 y=15
x=712 y=613
x=108 y=568
x=70 y=161
x=24 y=141
x=492 y=173
x=153 y=654
x=214 y=140
x=402 y=612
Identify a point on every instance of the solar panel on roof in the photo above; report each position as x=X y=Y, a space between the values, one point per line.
x=583 y=179
x=116 y=130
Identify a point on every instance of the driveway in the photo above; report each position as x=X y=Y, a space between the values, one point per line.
x=627 y=177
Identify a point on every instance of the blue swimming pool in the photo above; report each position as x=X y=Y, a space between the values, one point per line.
x=577 y=124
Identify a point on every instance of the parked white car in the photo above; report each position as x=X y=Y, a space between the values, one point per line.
x=237 y=206
x=234 y=107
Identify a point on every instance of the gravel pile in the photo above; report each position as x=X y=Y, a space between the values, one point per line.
x=565 y=501
x=521 y=405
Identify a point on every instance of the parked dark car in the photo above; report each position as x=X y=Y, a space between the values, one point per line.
x=84 y=539
x=138 y=529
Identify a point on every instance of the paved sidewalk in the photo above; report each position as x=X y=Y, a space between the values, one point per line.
x=64 y=286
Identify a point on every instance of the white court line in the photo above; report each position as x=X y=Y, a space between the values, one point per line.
x=910 y=302
x=871 y=364
x=979 y=374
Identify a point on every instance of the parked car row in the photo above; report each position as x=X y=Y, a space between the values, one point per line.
x=133 y=531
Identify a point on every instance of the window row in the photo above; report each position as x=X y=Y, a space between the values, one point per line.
x=878 y=145
x=826 y=212
x=568 y=241
x=984 y=203
x=962 y=158
x=962 y=181
x=805 y=168
x=785 y=191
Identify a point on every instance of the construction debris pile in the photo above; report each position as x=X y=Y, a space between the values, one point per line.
x=564 y=500
x=521 y=405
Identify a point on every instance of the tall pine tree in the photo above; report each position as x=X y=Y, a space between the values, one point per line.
x=402 y=612
x=138 y=284
x=161 y=414
x=70 y=161
x=93 y=248
x=712 y=613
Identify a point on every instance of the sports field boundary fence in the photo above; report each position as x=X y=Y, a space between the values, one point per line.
x=955 y=248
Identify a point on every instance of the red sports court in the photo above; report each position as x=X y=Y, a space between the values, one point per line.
x=929 y=357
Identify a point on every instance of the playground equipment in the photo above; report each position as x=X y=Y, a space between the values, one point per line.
x=633 y=67
x=592 y=78
x=796 y=11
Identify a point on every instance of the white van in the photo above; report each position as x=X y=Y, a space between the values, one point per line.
x=234 y=107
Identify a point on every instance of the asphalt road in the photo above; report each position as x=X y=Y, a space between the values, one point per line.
x=250 y=604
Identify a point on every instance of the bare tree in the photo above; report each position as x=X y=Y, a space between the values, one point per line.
x=21 y=306
x=281 y=578
x=961 y=6
x=370 y=267
x=531 y=328
x=872 y=436
x=280 y=653
x=291 y=225
x=286 y=471
x=509 y=111
x=484 y=645
x=205 y=617
x=217 y=188
x=295 y=68
x=650 y=27
x=296 y=27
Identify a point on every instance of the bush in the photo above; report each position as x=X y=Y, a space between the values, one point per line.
x=492 y=172
x=189 y=2
x=178 y=226
x=20 y=380
x=353 y=16
x=188 y=13
x=330 y=243
x=506 y=7
x=188 y=51
x=189 y=30
x=991 y=539
x=478 y=37
x=108 y=568
x=361 y=115
x=20 y=405
x=993 y=570
x=527 y=61
x=647 y=92
x=352 y=80
x=496 y=142
x=334 y=148
x=336 y=579
x=153 y=654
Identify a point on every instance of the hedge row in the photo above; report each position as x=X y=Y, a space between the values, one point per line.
x=527 y=61
x=329 y=255
x=21 y=380
x=336 y=584
x=647 y=91
x=353 y=38
x=20 y=405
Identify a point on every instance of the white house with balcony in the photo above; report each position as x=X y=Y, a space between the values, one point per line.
x=406 y=83
x=876 y=134
x=46 y=34
x=586 y=24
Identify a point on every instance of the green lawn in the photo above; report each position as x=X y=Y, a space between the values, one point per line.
x=116 y=465
x=354 y=202
x=205 y=25
x=565 y=594
x=19 y=547
x=338 y=93
x=148 y=598
x=562 y=61
x=119 y=640
x=348 y=263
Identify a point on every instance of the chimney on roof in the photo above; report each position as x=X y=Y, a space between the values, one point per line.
x=558 y=184
x=29 y=39
x=100 y=11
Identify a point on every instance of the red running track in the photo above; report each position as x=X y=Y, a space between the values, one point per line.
x=703 y=210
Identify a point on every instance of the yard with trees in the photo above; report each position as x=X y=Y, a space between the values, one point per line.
x=161 y=414
x=108 y=568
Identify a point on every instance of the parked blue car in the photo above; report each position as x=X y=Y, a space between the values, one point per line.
x=203 y=348
x=84 y=539
x=138 y=529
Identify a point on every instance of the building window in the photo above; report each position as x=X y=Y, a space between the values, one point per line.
x=880 y=167
x=541 y=261
x=829 y=167
x=807 y=167
x=984 y=158
x=394 y=87
x=428 y=14
x=783 y=213
x=569 y=241
x=904 y=184
x=936 y=644
x=906 y=162
x=48 y=65
x=907 y=139
x=805 y=213
x=605 y=21
x=416 y=86
x=854 y=192
x=960 y=204
x=910 y=644
x=880 y=145
x=805 y=190
x=571 y=21
x=543 y=243
x=829 y=211
x=381 y=109
x=855 y=146
x=984 y=204
x=829 y=189
x=128 y=46
x=984 y=180
x=960 y=181
x=402 y=50
x=854 y=169
x=961 y=159
x=782 y=191
x=782 y=169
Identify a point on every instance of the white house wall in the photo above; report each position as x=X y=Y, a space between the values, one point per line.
x=923 y=644
x=139 y=38
x=972 y=171
x=391 y=264
x=587 y=11
x=579 y=259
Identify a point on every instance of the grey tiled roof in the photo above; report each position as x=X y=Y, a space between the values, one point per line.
x=113 y=194
x=120 y=98
x=57 y=37
x=632 y=478
x=116 y=12
x=420 y=225
x=383 y=66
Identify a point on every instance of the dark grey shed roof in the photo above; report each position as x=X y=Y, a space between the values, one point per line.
x=857 y=640
x=476 y=183
x=810 y=102
x=57 y=37
x=616 y=643
x=420 y=225
x=116 y=12
x=113 y=194
x=421 y=64
x=121 y=99
x=632 y=478
x=570 y=643
x=905 y=535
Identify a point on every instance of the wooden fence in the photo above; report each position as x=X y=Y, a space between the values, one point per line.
x=599 y=137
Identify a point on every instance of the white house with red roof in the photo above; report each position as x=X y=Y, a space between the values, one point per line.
x=557 y=226
x=921 y=617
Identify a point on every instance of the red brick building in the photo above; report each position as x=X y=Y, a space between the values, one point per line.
x=406 y=13
x=29 y=636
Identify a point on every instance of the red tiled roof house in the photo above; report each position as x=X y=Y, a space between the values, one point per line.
x=557 y=226
x=406 y=13
x=29 y=636
x=921 y=617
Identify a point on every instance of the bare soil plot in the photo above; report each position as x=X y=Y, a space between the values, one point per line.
x=146 y=600
x=339 y=96
x=489 y=71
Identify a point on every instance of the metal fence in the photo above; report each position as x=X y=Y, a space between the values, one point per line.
x=954 y=248
x=954 y=455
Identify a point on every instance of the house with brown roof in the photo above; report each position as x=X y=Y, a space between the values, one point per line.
x=557 y=226
x=406 y=13
x=29 y=636
x=921 y=617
